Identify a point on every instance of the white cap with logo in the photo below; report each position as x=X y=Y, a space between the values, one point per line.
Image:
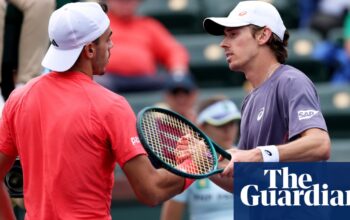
x=71 y=27
x=219 y=113
x=258 y=13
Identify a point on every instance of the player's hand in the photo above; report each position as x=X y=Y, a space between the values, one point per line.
x=253 y=155
x=182 y=150
x=184 y=155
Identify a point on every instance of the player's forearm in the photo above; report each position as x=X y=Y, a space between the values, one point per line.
x=6 y=211
x=224 y=182
x=166 y=186
x=151 y=186
x=313 y=145
x=172 y=210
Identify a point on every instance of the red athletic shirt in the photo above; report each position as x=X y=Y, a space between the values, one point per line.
x=69 y=133
x=140 y=44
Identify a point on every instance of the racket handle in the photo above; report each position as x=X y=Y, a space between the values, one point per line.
x=222 y=152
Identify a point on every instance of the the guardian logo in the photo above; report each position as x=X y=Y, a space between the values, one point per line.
x=291 y=189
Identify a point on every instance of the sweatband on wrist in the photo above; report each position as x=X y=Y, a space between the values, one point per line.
x=187 y=184
x=270 y=153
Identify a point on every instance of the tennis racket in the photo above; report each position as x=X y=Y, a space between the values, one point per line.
x=160 y=130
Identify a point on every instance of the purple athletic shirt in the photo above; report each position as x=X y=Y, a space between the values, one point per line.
x=280 y=109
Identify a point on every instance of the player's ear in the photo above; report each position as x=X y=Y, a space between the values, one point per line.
x=89 y=51
x=264 y=35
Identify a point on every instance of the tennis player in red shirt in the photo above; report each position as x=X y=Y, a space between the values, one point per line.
x=70 y=132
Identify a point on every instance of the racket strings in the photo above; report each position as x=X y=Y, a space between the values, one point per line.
x=162 y=133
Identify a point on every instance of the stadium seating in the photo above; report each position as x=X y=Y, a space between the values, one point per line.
x=208 y=61
x=217 y=8
x=300 y=54
x=179 y=16
x=335 y=103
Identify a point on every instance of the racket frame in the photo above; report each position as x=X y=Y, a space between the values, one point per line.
x=213 y=147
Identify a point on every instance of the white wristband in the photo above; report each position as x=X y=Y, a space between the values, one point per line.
x=270 y=153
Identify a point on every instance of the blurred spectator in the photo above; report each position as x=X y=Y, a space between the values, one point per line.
x=33 y=41
x=141 y=44
x=329 y=14
x=307 y=8
x=219 y=118
x=347 y=34
x=181 y=93
x=342 y=73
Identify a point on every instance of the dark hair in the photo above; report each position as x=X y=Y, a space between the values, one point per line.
x=104 y=6
x=278 y=47
x=105 y=9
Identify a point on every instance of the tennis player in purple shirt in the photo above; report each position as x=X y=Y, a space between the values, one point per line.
x=281 y=117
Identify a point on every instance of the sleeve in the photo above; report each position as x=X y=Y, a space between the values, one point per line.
x=121 y=128
x=7 y=142
x=302 y=106
x=166 y=48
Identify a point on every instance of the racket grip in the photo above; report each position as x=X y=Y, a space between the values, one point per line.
x=188 y=183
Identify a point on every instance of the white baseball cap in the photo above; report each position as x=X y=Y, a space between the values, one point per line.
x=258 y=13
x=71 y=27
x=219 y=113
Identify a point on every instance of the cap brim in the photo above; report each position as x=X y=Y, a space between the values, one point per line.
x=223 y=121
x=60 y=60
x=216 y=25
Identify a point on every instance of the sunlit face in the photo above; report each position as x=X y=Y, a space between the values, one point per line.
x=240 y=47
x=224 y=135
x=103 y=47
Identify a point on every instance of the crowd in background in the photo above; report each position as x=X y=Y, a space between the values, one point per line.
x=146 y=50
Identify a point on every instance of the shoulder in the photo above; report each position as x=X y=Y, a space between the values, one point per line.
x=22 y=91
x=104 y=97
x=290 y=77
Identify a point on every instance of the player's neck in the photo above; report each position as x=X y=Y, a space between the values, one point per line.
x=85 y=69
x=260 y=73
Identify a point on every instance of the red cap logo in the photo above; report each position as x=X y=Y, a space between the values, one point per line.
x=242 y=13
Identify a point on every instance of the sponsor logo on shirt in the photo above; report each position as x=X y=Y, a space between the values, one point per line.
x=306 y=114
x=260 y=114
x=202 y=184
x=135 y=140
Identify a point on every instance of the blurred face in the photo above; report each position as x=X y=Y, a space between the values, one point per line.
x=224 y=135
x=102 y=47
x=123 y=8
x=240 y=47
x=182 y=101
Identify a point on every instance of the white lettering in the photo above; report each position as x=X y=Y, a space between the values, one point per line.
x=306 y=114
x=244 y=195
x=135 y=140
x=272 y=177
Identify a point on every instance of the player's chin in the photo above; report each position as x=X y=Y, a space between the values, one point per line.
x=232 y=67
x=100 y=72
